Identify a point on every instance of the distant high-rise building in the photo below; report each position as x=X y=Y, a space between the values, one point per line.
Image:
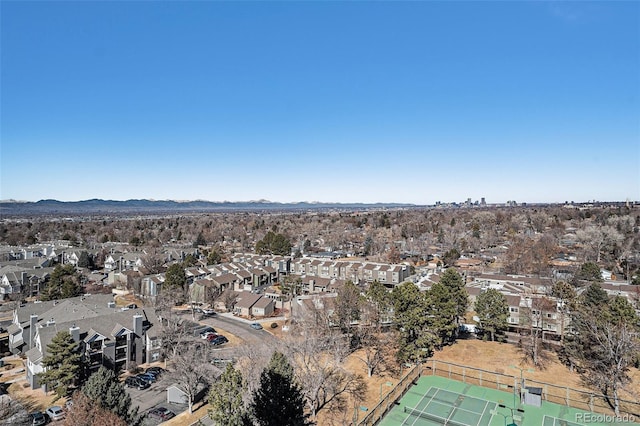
x=483 y=202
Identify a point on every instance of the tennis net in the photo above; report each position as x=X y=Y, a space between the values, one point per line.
x=428 y=416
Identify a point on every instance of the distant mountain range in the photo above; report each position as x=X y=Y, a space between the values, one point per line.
x=11 y=207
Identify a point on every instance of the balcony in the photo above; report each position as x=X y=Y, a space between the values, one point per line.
x=121 y=354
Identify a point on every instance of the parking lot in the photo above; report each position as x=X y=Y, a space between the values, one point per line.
x=154 y=396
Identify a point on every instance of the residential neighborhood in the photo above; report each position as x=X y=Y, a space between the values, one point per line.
x=129 y=309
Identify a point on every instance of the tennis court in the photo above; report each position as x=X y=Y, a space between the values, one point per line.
x=554 y=421
x=443 y=407
x=437 y=401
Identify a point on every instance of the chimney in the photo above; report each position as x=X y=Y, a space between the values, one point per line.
x=137 y=324
x=33 y=323
x=75 y=333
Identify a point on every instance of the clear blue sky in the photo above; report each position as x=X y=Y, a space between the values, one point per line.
x=320 y=101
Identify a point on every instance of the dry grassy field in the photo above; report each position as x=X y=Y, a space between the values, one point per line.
x=490 y=356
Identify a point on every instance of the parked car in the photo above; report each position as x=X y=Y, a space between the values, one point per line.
x=208 y=335
x=204 y=331
x=154 y=374
x=156 y=370
x=38 y=419
x=212 y=336
x=160 y=413
x=219 y=340
x=55 y=413
x=134 y=382
x=149 y=378
x=256 y=326
x=209 y=312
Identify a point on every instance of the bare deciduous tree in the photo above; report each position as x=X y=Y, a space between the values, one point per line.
x=532 y=317
x=191 y=369
x=597 y=238
x=318 y=362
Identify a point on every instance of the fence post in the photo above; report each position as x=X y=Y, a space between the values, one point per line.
x=433 y=370
x=567 y=398
x=481 y=378
x=591 y=402
x=464 y=375
x=449 y=370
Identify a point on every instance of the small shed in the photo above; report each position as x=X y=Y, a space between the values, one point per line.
x=532 y=396
x=175 y=395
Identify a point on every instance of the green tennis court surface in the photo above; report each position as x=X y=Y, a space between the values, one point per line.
x=435 y=401
x=552 y=421
x=451 y=408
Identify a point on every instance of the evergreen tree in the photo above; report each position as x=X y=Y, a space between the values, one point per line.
x=63 y=283
x=200 y=241
x=85 y=261
x=588 y=272
x=105 y=390
x=454 y=282
x=273 y=243
x=493 y=311
x=450 y=257
x=278 y=400
x=62 y=364
x=379 y=299
x=225 y=397
x=441 y=313
x=416 y=339
x=595 y=297
x=214 y=257
x=189 y=261
x=175 y=279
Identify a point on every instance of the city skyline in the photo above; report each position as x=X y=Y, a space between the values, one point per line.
x=335 y=102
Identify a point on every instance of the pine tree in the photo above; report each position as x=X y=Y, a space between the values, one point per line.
x=441 y=313
x=493 y=311
x=62 y=364
x=278 y=400
x=63 y=283
x=176 y=280
x=104 y=388
x=85 y=261
x=416 y=340
x=225 y=397
x=454 y=282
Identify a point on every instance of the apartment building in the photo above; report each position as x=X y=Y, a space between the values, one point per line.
x=106 y=335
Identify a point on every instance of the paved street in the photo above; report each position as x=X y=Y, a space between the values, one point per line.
x=240 y=328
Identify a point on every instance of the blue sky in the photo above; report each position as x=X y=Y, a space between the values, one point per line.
x=336 y=101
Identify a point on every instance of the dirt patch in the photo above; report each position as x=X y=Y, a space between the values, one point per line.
x=33 y=399
x=500 y=357
x=128 y=299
